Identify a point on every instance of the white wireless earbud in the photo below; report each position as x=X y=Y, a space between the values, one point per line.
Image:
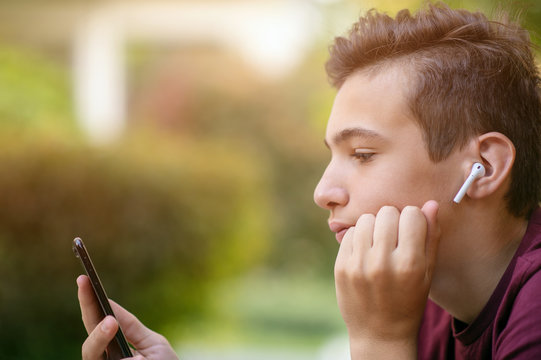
x=477 y=171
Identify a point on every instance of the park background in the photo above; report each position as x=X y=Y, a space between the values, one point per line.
x=182 y=140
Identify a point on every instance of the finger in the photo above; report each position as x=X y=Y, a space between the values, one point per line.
x=90 y=309
x=386 y=230
x=430 y=211
x=363 y=236
x=346 y=246
x=412 y=233
x=136 y=333
x=97 y=341
x=343 y=257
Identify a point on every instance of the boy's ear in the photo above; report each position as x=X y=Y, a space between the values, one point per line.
x=498 y=155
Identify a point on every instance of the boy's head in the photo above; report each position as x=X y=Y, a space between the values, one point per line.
x=461 y=76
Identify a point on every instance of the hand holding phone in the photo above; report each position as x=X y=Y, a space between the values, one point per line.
x=148 y=344
x=119 y=347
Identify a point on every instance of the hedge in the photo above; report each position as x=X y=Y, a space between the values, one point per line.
x=161 y=218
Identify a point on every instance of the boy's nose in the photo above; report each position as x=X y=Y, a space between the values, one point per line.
x=328 y=196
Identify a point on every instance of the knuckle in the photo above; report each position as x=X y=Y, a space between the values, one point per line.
x=374 y=275
x=348 y=274
x=411 y=272
x=339 y=272
x=341 y=281
x=162 y=339
x=376 y=272
x=343 y=272
x=407 y=268
x=356 y=274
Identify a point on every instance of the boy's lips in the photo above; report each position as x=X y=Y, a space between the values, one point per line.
x=340 y=229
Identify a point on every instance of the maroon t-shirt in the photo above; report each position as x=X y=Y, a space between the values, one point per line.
x=508 y=327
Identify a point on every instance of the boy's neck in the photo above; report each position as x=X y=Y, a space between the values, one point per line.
x=472 y=258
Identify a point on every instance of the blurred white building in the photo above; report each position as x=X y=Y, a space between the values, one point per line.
x=271 y=37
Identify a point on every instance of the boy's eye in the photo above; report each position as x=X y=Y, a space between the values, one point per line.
x=363 y=156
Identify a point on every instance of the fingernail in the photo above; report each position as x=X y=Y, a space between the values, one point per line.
x=107 y=324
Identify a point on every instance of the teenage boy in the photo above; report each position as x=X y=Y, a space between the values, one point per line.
x=421 y=99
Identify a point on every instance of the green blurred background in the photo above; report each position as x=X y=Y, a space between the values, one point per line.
x=197 y=205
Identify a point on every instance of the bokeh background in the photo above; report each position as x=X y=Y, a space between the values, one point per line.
x=182 y=140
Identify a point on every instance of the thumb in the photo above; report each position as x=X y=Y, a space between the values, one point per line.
x=430 y=211
x=137 y=334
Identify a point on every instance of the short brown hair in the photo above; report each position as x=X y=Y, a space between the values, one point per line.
x=472 y=76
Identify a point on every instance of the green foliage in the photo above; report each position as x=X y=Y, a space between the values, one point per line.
x=161 y=220
x=34 y=92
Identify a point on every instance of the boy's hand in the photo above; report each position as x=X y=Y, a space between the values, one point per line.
x=149 y=344
x=383 y=273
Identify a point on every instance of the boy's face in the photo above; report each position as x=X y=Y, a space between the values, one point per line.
x=378 y=153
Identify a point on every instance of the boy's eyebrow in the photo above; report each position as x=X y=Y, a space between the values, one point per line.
x=348 y=133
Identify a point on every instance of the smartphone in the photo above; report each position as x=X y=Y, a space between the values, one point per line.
x=119 y=347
